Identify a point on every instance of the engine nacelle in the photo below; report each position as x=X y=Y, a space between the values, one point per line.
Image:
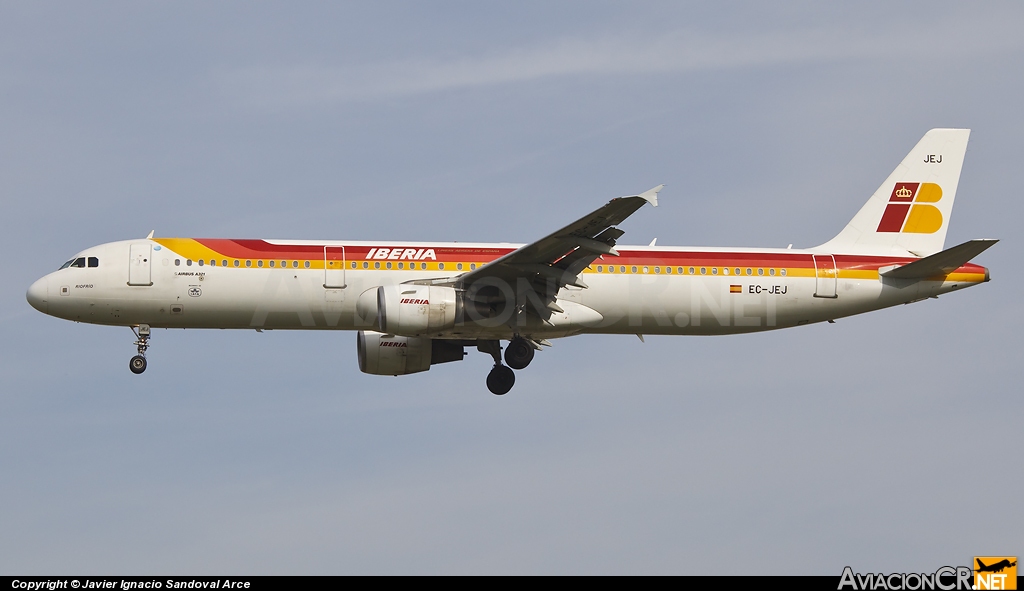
x=415 y=310
x=388 y=355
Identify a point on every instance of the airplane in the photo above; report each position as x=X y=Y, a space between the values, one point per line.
x=994 y=568
x=418 y=304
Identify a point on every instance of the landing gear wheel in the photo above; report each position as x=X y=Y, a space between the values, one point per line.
x=500 y=380
x=519 y=353
x=137 y=364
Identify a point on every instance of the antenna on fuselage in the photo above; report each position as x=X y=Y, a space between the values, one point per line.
x=150 y=236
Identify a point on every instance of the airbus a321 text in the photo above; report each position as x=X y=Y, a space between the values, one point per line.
x=418 y=304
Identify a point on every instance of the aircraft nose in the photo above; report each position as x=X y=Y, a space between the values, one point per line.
x=38 y=293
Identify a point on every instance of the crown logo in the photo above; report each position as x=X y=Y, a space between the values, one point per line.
x=904 y=192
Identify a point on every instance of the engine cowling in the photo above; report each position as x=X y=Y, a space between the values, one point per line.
x=415 y=310
x=392 y=355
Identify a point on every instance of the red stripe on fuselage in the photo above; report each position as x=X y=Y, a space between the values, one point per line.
x=261 y=249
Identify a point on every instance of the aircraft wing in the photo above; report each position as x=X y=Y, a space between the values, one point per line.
x=559 y=258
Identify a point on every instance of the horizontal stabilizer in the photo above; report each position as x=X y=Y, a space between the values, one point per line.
x=941 y=263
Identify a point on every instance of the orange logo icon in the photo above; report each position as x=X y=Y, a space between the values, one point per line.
x=909 y=209
x=995 y=572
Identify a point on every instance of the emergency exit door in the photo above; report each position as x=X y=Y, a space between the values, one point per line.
x=334 y=267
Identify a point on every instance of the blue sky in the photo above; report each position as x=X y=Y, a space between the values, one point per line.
x=885 y=442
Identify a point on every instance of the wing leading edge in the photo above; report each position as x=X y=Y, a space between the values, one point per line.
x=561 y=256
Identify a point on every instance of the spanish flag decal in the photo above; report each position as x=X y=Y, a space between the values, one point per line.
x=735 y=289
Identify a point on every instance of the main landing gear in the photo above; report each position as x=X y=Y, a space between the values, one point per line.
x=518 y=355
x=138 y=363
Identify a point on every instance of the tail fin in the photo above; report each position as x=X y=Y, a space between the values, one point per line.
x=910 y=212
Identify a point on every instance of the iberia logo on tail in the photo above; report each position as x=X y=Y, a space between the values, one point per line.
x=908 y=209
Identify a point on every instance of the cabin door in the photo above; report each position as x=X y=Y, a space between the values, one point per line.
x=825 y=274
x=139 y=264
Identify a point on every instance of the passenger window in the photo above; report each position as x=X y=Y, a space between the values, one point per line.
x=94 y=262
x=376 y=265
x=177 y=262
x=271 y=263
x=725 y=270
x=248 y=263
x=782 y=272
x=737 y=270
x=646 y=270
x=703 y=270
x=389 y=265
x=472 y=267
x=714 y=270
x=600 y=269
x=224 y=263
x=459 y=266
x=306 y=264
x=760 y=271
x=622 y=268
x=691 y=270
x=423 y=265
x=401 y=265
x=440 y=266
x=366 y=265
x=200 y=262
x=259 y=263
x=668 y=270
x=633 y=270
x=771 y=272
x=354 y=264
x=295 y=264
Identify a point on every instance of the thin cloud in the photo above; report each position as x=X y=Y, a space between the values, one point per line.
x=678 y=52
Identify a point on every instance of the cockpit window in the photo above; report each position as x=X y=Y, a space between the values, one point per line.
x=81 y=263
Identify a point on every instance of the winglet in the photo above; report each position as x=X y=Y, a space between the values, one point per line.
x=652 y=195
x=150 y=236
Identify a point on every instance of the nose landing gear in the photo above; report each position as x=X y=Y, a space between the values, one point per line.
x=138 y=363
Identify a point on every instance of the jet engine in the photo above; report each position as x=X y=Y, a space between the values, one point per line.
x=389 y=355
x=415 y=310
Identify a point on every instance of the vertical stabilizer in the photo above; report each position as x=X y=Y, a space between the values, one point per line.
x=910 y=212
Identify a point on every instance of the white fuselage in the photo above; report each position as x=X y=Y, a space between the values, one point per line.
x=646 y=290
